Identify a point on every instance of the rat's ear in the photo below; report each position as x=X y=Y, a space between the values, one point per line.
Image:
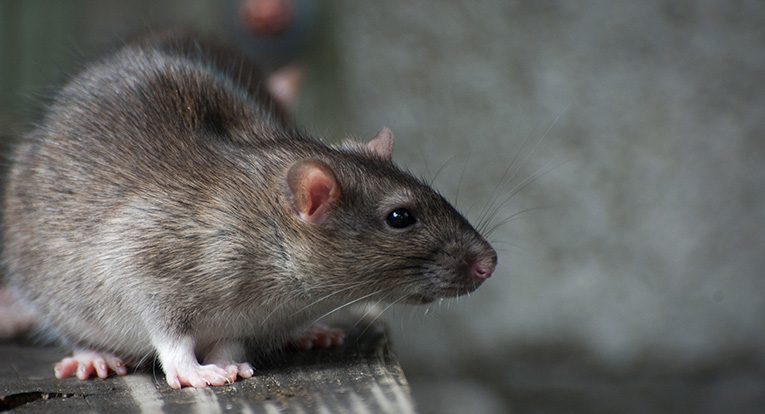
x=382 y=144
x=313 y=189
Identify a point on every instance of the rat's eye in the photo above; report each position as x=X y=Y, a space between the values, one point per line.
x=400 y=218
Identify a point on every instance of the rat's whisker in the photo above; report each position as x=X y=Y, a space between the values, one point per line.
x=536 y=175
x=510 y=171
x=347 y=304
x=514 y=216
x=276 y=309
x=424 y=159
x=290 y=298
x=323 y=298
x=459 y=184
x=370 y=309
x=379 y=314
x=438 y=171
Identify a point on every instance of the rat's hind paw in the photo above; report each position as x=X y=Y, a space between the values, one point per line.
x=224 y=354
x=85 y=363
x=317 y=336
x=197 y=376
x=236 y=369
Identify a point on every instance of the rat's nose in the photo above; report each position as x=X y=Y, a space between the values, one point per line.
x=482 y=269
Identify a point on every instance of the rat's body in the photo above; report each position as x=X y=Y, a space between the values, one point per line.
x=164 y=206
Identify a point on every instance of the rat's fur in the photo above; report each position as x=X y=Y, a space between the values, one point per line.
x=151 y=202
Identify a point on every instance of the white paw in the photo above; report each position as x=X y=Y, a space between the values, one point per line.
x=85 y=363
x=197 y=376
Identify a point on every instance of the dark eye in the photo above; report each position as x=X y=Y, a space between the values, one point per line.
x=400 y=218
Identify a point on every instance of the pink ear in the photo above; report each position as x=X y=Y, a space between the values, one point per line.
x=314 y=189
x=382 y=144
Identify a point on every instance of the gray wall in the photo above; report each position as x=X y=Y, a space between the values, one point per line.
x=643 y=127
x=643 y=124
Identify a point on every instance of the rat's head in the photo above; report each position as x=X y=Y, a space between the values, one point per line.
x=382 y=229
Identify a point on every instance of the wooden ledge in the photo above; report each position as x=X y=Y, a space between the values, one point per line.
x=363 y=376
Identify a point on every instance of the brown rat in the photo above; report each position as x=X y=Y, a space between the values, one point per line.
x=164 y=206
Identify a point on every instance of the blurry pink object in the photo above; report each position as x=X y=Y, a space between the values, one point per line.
x=284 y=86
x=267 y=17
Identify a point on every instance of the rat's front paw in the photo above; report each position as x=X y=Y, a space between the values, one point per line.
x=197 y=376
x=85 y=363
x=317 y=336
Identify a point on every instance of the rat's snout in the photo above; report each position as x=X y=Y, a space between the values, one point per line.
x=483 y=267
x=479 y=261
x=481 y=271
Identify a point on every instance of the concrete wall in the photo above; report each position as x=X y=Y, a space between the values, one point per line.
x=642 y=125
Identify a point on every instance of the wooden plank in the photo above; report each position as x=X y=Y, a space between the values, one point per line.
x=362 y=376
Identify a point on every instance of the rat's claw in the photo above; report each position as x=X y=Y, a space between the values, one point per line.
x=116 y=364
x=84 y=363
x=231 y=373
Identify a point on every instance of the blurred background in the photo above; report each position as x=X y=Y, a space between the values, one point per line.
x=624 y=142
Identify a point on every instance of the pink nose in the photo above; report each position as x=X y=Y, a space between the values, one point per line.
x=482 y=270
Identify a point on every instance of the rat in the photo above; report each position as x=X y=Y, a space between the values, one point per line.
x=165 y=206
